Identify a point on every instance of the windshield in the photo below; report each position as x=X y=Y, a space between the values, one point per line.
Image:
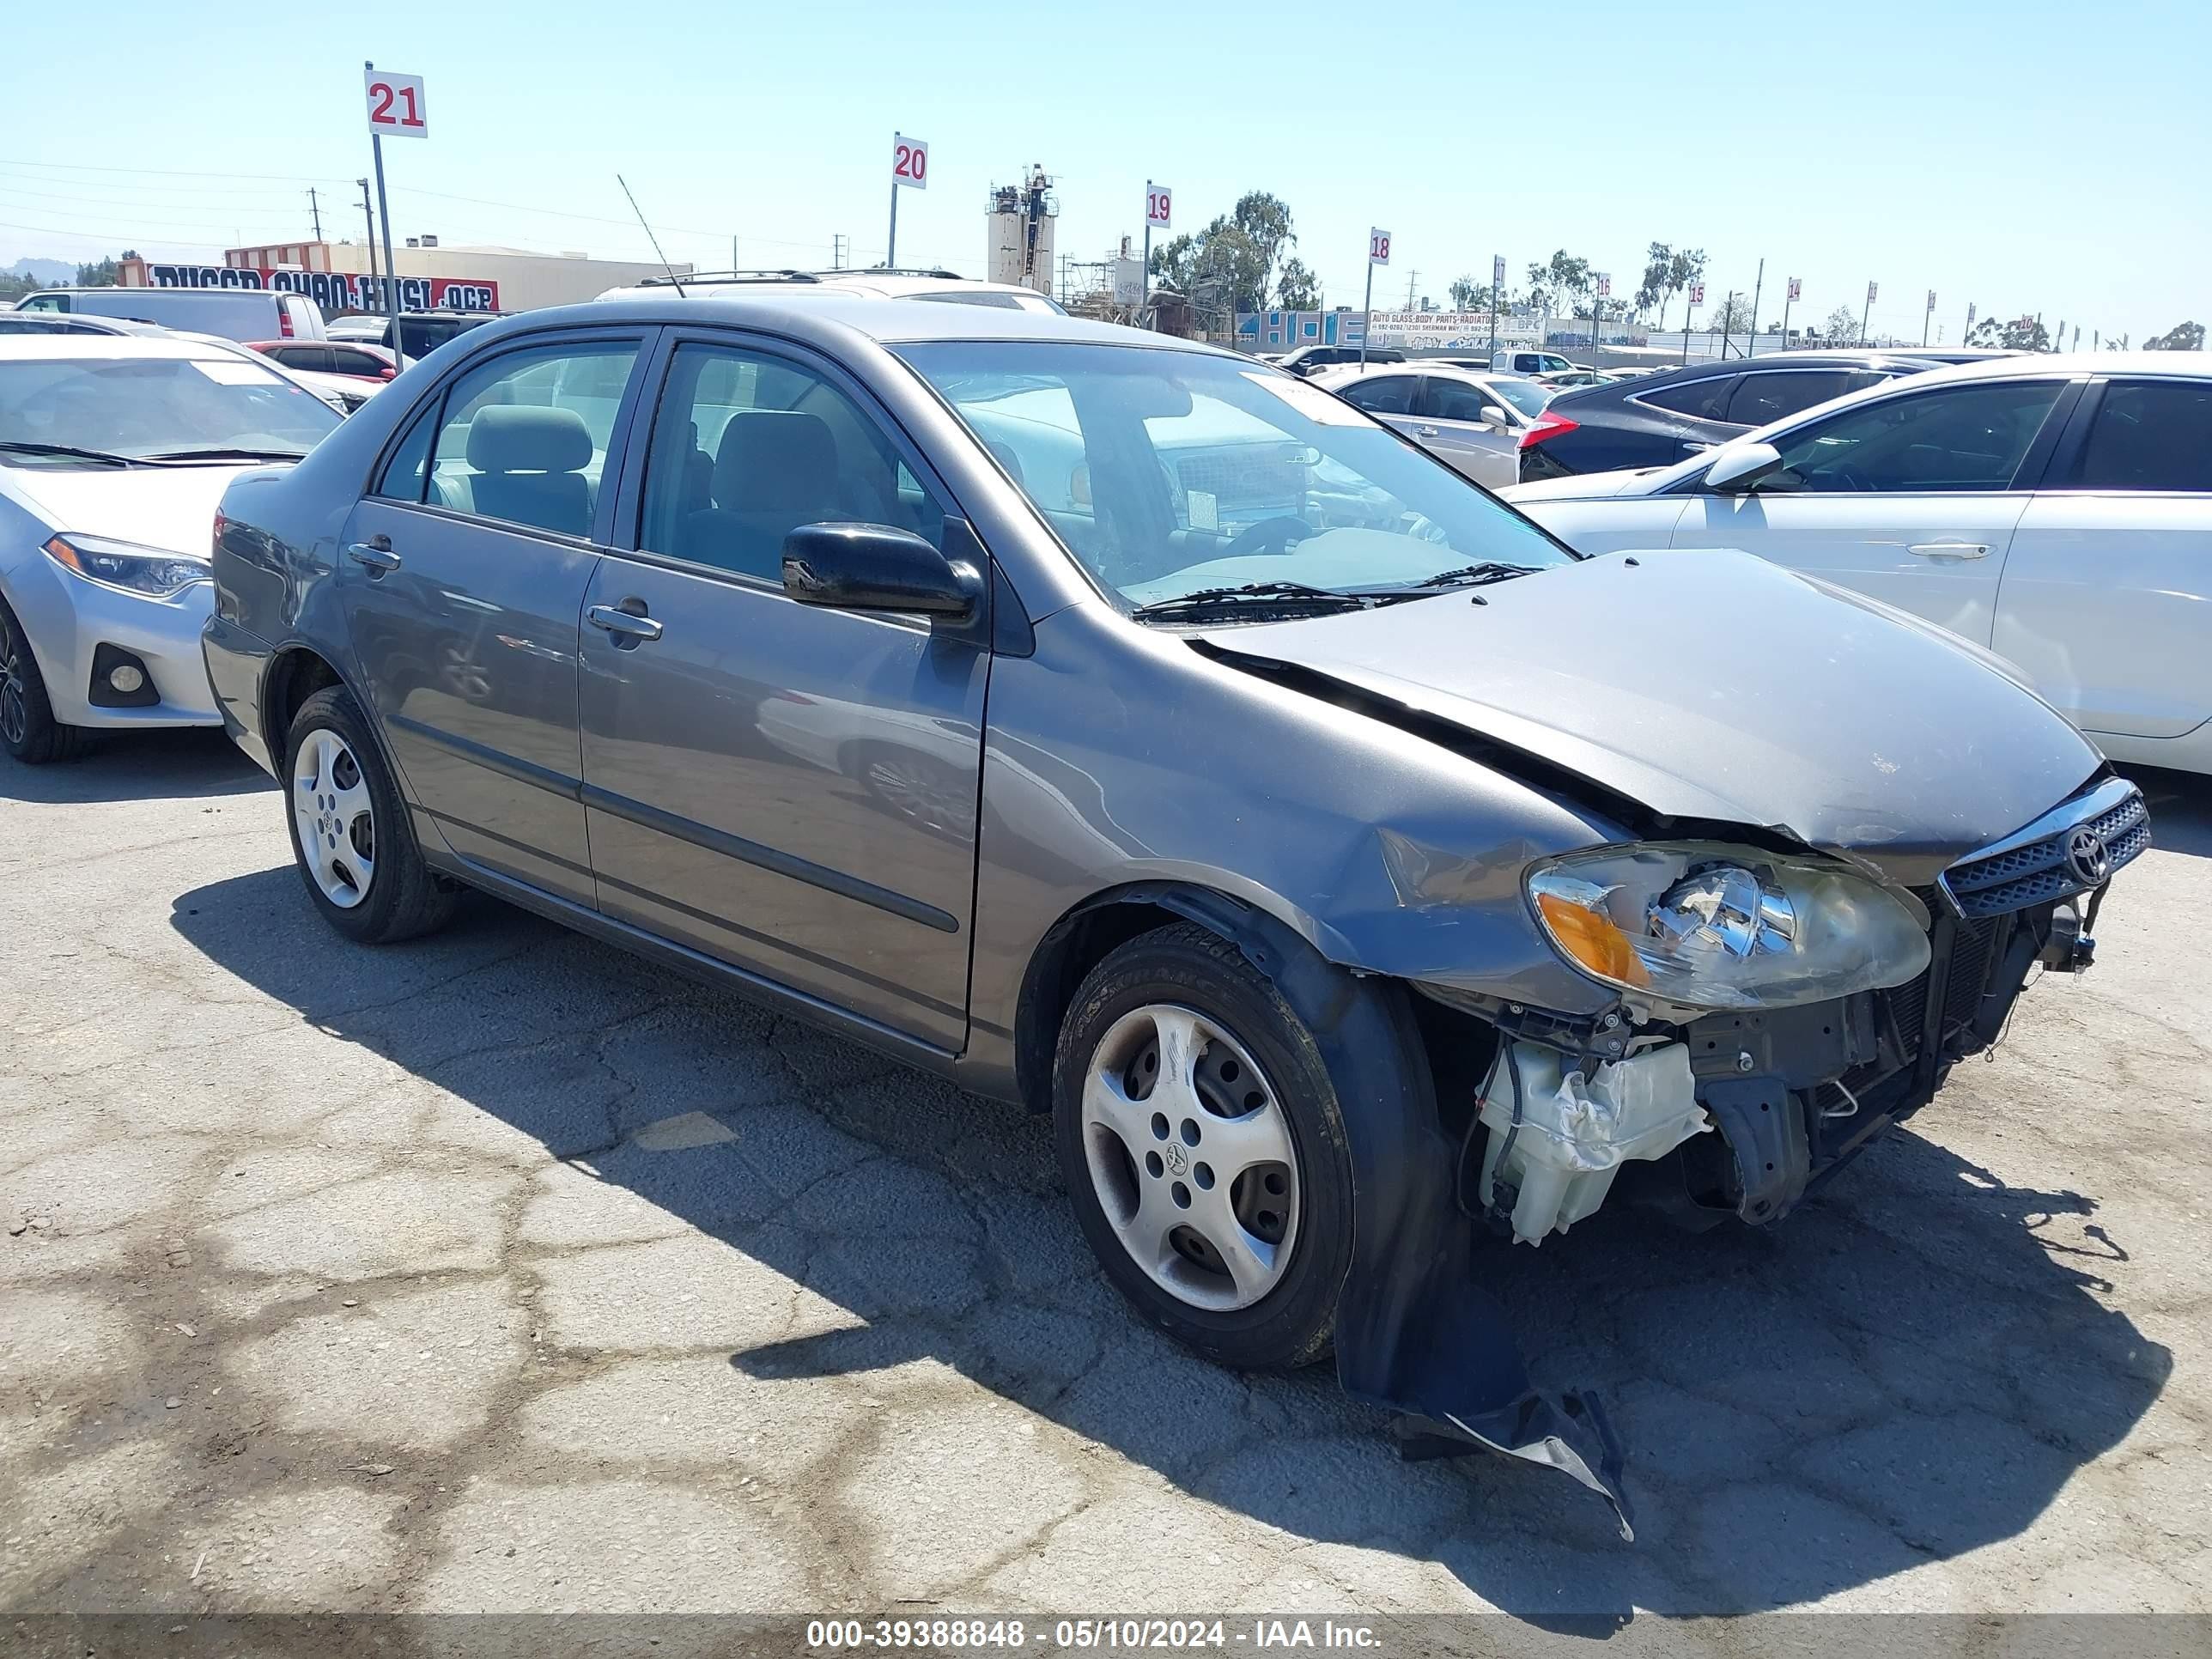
x=1167 y=473
x=154 y=406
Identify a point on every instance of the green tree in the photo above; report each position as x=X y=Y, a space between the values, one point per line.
x=1842 y=326
x=1230 y=265
x=1466 y=293
x=2021 y=334
x=1731 y=316
x=1297 y=288
x=2182 y=336
x=1658 y=262
x=1560 y=283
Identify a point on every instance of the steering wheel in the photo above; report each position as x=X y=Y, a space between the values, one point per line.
x=1273 y=535
x=1423 y=528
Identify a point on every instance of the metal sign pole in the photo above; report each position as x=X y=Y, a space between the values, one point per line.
x=1785 y=319
x=891 y=253
x=1494 y=281
x=1367 y=304
x=391 y=264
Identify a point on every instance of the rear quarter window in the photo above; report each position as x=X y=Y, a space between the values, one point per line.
x=1701 y=400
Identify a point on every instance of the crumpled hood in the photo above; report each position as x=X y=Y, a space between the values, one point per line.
x=1714 y=685
x=171 y=507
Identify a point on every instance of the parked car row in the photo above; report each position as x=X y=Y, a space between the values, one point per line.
x=1359 y=875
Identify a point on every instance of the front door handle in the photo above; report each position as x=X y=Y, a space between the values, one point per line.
x=1424 y=432
x=624 y=624
x=1950 y=549
x=376 y=553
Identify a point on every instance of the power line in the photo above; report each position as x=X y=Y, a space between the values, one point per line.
x=167 y=173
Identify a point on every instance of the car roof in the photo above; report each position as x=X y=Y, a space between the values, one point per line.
x=1349 y=372
x=885 y=284
x=829 y=318
x=121 y=347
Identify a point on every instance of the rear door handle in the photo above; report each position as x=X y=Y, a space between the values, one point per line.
x=376 y=553
x=1424 y=432
x=1950 y=549
x=622 y=624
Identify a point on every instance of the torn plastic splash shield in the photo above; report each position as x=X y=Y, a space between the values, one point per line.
x=1415 y=1334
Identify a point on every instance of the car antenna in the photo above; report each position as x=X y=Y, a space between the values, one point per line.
x=673 y=278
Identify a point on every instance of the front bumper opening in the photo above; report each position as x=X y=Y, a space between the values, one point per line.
x=120 y=679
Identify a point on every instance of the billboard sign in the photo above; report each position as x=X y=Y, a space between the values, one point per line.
x=334 y=291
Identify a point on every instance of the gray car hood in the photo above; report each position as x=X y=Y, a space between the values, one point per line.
x=1712 y=685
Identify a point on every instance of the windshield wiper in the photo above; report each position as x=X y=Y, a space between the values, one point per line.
x=70 y=452
x=228 y=455
x=1272 y=596
x=1477 y=575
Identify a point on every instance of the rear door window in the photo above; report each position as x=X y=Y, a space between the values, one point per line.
x=524 y=436
x=1758 y=399
x=2149 y=435
x=1705 y=399
x=1382 y=394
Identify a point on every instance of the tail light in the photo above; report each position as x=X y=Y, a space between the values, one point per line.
x=221 y=523
x=284 y=320
x=1546 y=426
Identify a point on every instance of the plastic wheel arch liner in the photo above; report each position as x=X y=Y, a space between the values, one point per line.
x=1415 y=1334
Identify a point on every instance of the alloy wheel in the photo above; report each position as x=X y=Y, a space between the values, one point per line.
x=1190 y=1152
x=15 y=709
x=332 y=810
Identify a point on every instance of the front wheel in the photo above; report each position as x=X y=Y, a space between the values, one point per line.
x=1200 y=1138
x=29 y=730
x=350 y=832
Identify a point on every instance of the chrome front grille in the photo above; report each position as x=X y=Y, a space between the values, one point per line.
x=2068 y=850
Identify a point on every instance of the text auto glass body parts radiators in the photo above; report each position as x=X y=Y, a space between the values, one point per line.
x=1707 y=926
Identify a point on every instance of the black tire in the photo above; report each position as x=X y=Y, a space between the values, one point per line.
x=404 y=899
x=29 y=730
x=1293 y=1324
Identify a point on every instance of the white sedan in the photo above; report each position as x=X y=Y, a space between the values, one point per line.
x=2056 y=510
x=114 y=451
x=1470 y=420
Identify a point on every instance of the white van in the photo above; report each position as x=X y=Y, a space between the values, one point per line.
x=236 y=313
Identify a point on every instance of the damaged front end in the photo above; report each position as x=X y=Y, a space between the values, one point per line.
x=1841 y=1006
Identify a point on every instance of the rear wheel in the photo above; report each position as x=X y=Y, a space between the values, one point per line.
x=1204 y=1150
x=29 y=730
x=350 y=831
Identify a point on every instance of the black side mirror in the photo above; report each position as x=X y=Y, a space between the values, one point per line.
x=876 y=566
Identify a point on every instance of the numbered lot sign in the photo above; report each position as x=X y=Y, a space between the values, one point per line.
x=1697 y=293
x=1796 y=289
x=1159 y=206
x=909 y=163
x=1378 y=247
x=396 y=107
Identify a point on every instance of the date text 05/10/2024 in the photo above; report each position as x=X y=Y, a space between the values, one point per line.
x=832 y=1635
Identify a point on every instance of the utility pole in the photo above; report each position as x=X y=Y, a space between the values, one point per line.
x=368 y=217
x=391 y=264
x=1497 y=282
x=733 y=250
x=1412 y=276
x=1728 y=322
x=1750 y=340
x=1865 y=315
x=315 y=212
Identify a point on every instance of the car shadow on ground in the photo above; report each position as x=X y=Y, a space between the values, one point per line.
x=170 y=765
x=2180 y=809
x=1911 y=1367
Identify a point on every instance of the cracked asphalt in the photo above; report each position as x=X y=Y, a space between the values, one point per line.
x=504 y=1272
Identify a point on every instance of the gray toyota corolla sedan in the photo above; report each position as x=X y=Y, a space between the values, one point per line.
x=1360 y=878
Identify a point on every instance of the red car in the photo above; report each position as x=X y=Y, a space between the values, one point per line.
x=352 y=358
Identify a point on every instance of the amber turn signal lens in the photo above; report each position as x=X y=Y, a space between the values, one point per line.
x=1592 y=941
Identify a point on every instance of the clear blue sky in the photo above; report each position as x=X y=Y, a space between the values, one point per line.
x=2027 y=156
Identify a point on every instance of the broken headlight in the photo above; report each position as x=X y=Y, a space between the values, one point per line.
x=1711 y=926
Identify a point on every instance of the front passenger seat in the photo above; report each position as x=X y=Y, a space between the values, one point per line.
x=529 y=463
x=775 y=470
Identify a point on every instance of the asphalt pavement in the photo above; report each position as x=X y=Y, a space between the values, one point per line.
x=504 y=1272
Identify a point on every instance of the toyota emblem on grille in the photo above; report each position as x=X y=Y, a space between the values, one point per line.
x=2086 y=860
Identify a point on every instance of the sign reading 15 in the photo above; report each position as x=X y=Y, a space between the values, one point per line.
x=909 y=163
x=396 y=104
